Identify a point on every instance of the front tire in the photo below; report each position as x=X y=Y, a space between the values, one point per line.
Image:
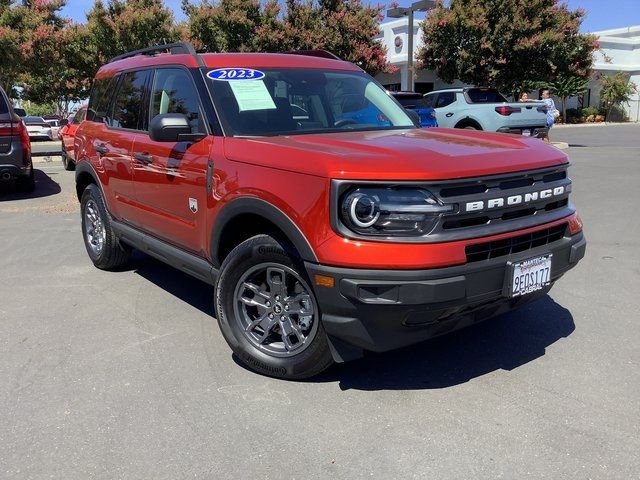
x=268 y=313
x=102 y=244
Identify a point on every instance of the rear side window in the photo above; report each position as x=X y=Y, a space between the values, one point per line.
x=174 y=92
x=445 y=99
x=485 y=95
x=79 y=116
x=129 y=101
x=429 y=101
x=100 y=99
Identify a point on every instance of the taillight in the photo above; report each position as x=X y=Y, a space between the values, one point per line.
x=24 y=137
x=507 y=110
x=6 y=128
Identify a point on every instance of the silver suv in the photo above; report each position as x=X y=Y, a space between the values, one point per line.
x=15 y=148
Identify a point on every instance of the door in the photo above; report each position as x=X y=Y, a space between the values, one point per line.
x=446 y=116
x=120 y=127
x=170 y=178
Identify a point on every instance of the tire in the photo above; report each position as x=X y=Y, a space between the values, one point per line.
x=68 y=164
x=260 y=342
x=102 y=244
x=470 y=127
x=26 y=184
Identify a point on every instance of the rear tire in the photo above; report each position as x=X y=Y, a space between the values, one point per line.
x=68 y=164
x=26 y=184
x=268 y=313
x=104 y=249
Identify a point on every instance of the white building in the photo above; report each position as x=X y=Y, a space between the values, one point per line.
x=621 y=47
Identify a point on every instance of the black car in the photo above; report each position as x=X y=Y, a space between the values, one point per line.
x=15 y=148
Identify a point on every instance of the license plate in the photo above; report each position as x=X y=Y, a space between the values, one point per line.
x=526 y=133
x=530 y=275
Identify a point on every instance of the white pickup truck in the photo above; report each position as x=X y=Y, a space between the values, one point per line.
x=481 y=108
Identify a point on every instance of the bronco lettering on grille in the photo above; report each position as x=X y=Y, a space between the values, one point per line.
x=513 y=200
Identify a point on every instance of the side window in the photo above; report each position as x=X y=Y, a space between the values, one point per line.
x=445 y=99
x=174 y=92
x=127 y=109
x=100 y=99
x=79 y=117
x=429 y=101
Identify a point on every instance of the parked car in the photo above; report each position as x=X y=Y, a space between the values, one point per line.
x=67 y=136
x=415 y=101
x=38 y=128
x=487 y=109
x=15 y=148
x=321 y=238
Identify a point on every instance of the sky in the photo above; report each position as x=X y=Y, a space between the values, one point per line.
x=601 y=14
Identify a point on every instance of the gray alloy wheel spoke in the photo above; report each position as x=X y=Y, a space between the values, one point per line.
x=276 y=278
x=256 y=290
x=288 y=328
x=252 y=302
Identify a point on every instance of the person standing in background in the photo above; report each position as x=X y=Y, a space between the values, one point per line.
x=545 y=96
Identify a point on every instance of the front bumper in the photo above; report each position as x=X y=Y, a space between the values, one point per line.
x=381 y=310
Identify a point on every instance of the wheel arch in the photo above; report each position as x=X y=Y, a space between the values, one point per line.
x=469 y=122
x=246 y=217
x=85 y=176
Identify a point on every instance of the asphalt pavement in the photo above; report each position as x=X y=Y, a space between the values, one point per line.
x=125 y=374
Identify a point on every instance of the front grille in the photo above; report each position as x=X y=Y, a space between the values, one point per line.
x=520 y=243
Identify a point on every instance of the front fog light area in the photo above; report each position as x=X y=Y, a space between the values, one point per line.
x=393 y=211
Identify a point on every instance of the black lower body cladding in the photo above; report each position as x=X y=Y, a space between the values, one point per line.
x=381 y=310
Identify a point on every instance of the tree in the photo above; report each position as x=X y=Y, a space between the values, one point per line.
x=347 y=28
x=46 y=54
x=125 y=25
x=565 y=87
x=615 y=90
x=504 y=43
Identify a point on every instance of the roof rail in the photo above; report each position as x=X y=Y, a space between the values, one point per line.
x=172 y=48
x=315 y=53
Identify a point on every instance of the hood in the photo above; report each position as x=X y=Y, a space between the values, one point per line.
x=415 y=154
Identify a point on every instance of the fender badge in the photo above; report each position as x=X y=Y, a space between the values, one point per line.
x=193 y=205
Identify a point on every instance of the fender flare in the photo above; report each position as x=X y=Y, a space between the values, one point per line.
x=85 y=167
x=469 y=119
x=255 y=206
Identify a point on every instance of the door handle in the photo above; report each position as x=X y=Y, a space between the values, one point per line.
x=144 y=157
x=450 y=114
x=101 y=149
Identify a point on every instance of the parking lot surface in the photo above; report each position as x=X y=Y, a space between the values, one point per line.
x=125 y=374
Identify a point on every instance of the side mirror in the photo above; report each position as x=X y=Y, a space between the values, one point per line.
x=172 y=127
x=63 y=122
x=414 y=116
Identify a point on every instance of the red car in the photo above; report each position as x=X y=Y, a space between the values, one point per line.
x=68 y=134
x=322 y=235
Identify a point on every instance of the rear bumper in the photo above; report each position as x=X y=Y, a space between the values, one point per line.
x=537 y=132
x=381 y=310
x=15 y=162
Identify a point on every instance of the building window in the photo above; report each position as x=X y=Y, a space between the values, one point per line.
x=393 y=87
x=423 y=87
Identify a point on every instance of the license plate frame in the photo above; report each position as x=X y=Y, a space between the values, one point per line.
x=540 y=263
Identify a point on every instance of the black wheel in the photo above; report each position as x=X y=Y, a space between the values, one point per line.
x=67 y=163
x=102 y=244
x=268 y=312
x=26 y=184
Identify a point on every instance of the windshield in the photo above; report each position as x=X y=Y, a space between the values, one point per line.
x=291 y=101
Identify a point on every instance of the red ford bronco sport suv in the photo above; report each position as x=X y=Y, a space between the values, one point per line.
x=323 y=236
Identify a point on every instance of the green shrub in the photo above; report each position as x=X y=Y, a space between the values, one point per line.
x=588 y=111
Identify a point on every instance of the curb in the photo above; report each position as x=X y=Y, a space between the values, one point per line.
x=594 y=124
x=47 y=159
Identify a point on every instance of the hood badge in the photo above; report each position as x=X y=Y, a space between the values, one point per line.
x=193 y=205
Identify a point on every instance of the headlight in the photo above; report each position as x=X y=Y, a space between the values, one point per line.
x=393 y=211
